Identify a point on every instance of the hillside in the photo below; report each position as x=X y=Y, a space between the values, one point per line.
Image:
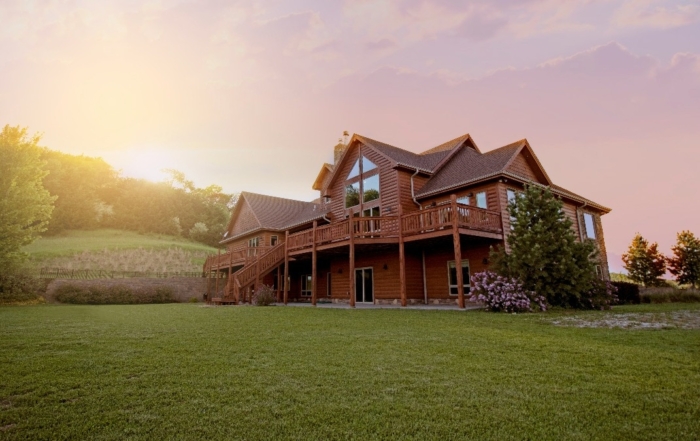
x=117 y=250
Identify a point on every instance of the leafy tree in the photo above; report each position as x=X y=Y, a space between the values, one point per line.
x=25 y=205
x=644 y=263
x=78 y=182
x=544 y=253
x=685 y=263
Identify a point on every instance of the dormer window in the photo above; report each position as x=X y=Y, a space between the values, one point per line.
x=362 y=183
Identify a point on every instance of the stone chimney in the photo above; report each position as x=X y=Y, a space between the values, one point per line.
x=339 y=148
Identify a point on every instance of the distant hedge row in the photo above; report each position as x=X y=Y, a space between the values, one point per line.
x=670 y=295
x=113 y=295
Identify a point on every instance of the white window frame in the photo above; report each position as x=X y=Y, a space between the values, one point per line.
x=466 y=284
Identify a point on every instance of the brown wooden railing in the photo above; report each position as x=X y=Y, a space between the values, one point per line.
x=254 y=269
x=441 y=217
x=237 y=257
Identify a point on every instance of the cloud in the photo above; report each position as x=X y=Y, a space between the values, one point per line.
x=383 y=44
x=655 y=14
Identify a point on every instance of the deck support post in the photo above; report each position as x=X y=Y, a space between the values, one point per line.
x=458 y=251
x=229 y=281
x=218 y=258
x=278 y=297
x=285 y=292
x=402 y=261
x=313 y=265
x=351 y=260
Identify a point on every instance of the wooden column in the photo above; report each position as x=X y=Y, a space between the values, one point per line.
x=218 y=258
x=402 y=260
x=313 y=265
x=278 y=297
x=286 y=266
x=351 y=260
x=458 y=251
x=229 y=281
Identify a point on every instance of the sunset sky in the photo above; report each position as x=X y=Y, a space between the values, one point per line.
x=252 y=95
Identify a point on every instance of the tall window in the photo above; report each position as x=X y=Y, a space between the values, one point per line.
x=253 y=246
x=464 y=200
x=481 y=199
x=362 y=183
x=306 y=282
x=511 y=195
x=590 y=225
x=273 y=240
x=452 y=276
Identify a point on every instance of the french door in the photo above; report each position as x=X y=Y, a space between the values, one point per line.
x=364 y=285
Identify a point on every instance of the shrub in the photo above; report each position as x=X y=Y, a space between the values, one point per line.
x=602 y=295
x=504 y=294
x=194 y=300
x=669 y=295
x=627 y=293
x=16 y=287
x=113 y=295
x=264 y=296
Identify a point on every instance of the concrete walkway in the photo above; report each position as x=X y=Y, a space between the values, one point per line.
x=371 y=306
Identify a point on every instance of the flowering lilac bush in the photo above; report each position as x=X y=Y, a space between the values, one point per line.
x=504 y=294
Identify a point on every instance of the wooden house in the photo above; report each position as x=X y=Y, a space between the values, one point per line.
x=390 y=226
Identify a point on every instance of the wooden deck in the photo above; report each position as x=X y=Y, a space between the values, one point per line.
x=450 y=219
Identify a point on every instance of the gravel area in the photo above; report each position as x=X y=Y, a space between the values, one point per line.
x=640 y=320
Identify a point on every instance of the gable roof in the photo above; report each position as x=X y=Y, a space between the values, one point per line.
x=468 y=165
x=275 y=213
x=325 y=169
x=453 y=143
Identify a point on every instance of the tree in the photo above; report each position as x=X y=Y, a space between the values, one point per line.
x=644 y=263
x=685 y=263
x=544 y=253
x=25 y=205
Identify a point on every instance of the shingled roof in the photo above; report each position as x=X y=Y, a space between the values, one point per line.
x=468 y=165
x=279 y=214
x=426 y=161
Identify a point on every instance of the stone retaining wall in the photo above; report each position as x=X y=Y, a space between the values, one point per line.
x=184 y=288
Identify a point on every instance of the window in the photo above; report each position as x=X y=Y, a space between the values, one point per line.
x=361 y=187
x=590 y=225
x=306 y=282
x=464 y=200
x=274 y=240
x=481 y=199
x=599 y=272
x=511 y=195
x=252 y=246
x=367 y=165
x=355 y=171
x=371 y=212
x=452 y=277
x=370 y=188
x=326 y=199
x=352 y=195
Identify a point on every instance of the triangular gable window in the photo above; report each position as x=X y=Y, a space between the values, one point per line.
x=367 y=165
x=355 y=170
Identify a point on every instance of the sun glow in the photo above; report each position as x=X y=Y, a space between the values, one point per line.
x=145 y=162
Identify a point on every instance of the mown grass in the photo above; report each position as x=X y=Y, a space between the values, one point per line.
x=117 y=250
x=192 y=372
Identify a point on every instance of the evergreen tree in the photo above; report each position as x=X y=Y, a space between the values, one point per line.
x=544 y=253
x=25 y=205
x=644 y=263
x=685 y=263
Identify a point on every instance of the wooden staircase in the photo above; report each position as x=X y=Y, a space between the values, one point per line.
x=252 y=272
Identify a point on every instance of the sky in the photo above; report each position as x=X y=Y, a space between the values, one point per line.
x=253 y=95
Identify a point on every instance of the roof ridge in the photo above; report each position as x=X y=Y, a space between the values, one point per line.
x=441 y=147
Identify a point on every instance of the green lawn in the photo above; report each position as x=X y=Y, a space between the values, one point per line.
x=191 y=372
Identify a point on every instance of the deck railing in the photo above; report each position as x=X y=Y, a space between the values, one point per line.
x=414 y=223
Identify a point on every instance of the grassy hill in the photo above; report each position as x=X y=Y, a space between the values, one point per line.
x=117 y=250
